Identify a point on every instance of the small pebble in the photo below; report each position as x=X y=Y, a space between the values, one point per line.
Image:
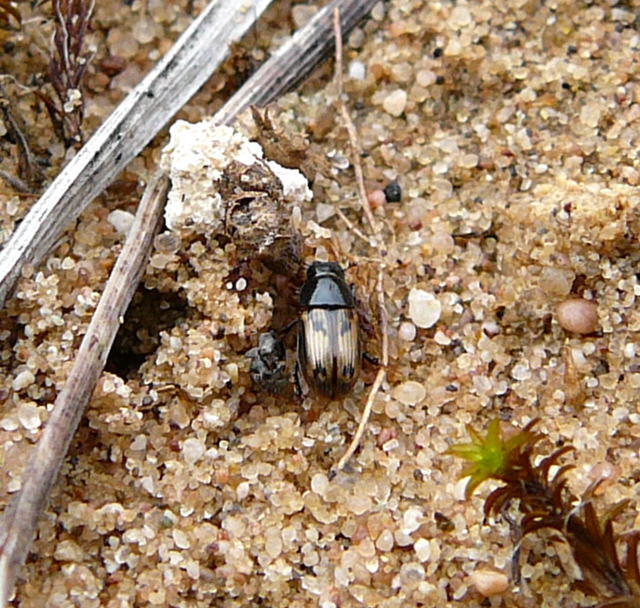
x=9 y=423
x=556 y=282
x=357 y=70
x=324 y=212
x=121 y=220
x=302 y=14
x=28 y=416
x=604 y=473
x=356 y=38
x=319 y=483
x=425 y=78
x=441 y=338
x=407 y=331
x=24 y=379
x=139 y=443
x=393 y=192
x=273 y=542
x=422 y=547
x=410 y=393
x=193 y=450
x=68 y=551
x=385 y=541
x=180 y=539
x=460 y=16
x=424 y=308
x=442 y=242
x=412 y=519
x=489 y=582
x=112 y=65
x=578 y=316
x=395 y=102
x=358 y=504
x=378 y=12
x=376 y=198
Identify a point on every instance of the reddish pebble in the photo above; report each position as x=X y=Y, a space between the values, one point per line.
x=113 y=65
x=376 y=198
x=578 y=316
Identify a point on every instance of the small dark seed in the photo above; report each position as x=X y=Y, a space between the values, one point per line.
x=393 y=192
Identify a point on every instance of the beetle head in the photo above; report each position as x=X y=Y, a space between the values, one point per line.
x=318 y=269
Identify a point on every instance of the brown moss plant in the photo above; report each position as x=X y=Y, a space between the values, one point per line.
x=67 y=66
x=356 y=153
x=544 y=501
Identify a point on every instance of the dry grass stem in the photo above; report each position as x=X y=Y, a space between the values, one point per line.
x=364 y=201
x=15 y=182
x=21 y=516
x=297 y=57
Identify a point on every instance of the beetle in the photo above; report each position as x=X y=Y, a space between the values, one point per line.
x=328 y=345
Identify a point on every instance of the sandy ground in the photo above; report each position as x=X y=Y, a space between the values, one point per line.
x=512 y=129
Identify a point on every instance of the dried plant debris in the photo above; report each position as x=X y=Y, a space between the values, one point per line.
x=220 y=183
x=9 y=14
x=67 y=66
x=295 y=152
x=222 y=187
x=268 y=364
x=230 y=212
x=539 y=488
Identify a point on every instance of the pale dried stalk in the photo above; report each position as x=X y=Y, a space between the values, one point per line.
x=294 y=61
x=375 y=229
x=21 y=516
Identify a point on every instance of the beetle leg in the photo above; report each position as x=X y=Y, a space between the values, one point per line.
x=287 y=328
x=296 y=381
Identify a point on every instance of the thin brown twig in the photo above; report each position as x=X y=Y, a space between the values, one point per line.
x=352 y=227
x=15 y=182
x=354 y=141
x=30 y=173
x=21 y=516
x=375 y=229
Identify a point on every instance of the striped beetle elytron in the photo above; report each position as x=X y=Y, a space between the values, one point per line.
x=329 y=354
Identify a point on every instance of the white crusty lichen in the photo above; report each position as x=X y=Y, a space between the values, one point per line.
x=196 y=158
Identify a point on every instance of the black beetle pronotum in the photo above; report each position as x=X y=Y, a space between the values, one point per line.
x=329 y=353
